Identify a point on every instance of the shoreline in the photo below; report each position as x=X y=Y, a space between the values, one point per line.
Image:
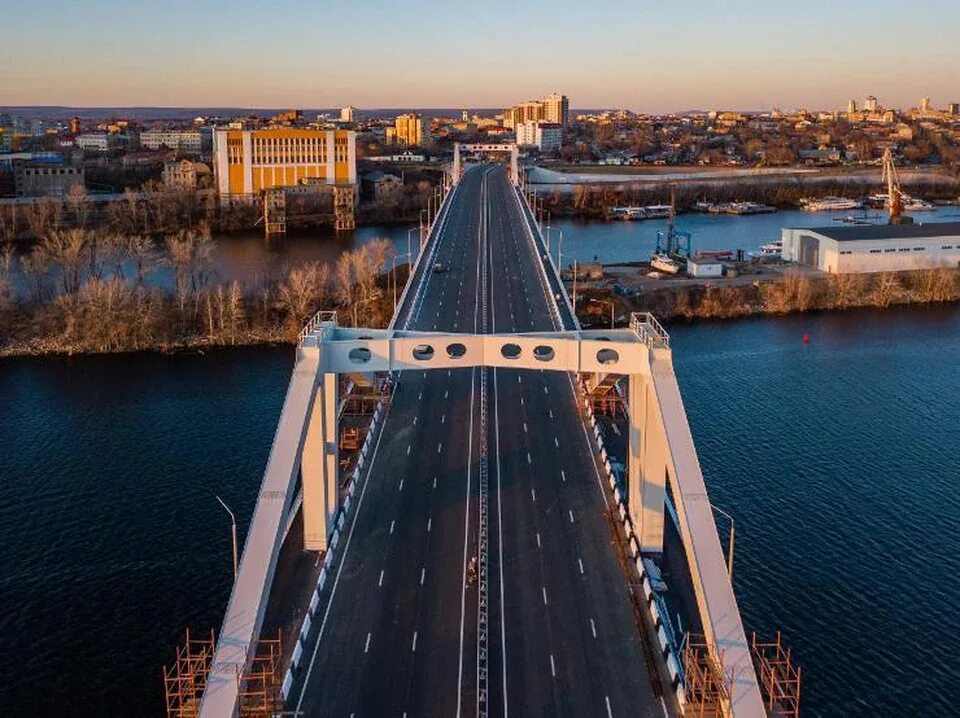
x=789 y=295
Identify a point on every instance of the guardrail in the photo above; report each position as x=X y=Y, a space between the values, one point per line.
x=325 y=315
x=650 y=331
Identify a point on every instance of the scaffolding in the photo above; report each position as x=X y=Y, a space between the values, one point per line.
x=260 y=684
x=344 y=202
x=779 y=678
x=275 y=212
x=184 y=681
x=707 y=687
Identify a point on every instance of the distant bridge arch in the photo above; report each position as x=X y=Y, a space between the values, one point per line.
x=478 y=147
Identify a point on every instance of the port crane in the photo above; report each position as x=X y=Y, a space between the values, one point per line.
x=894 y=193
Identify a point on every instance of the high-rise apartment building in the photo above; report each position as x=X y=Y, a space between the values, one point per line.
x=953 y=108
x=851 y=107
x=348 y=114
x=248 y=161
x=557 y=109
x=412 y=130
x=870 y=104
x=925 y=104
x=554 y=109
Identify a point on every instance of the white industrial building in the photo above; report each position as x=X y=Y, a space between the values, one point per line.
x=704 y=267
x=874 y=248
x=182 y=140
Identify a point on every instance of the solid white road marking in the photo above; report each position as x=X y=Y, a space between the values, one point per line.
x=609 y=712
x=408 y=449
x=538 y=539
x=413 y=647
x=423 y=575
x=524 y=427
x=593 y=628
x=391 y=526
x=434 y=482
x=529 y=460
x=571 y=515
x=563 y=475
x=553 y=667
x=664 y=707
x=401 y=485
x=380 y=582
x=544 y=588
x=429 y=524
x=533 y=495
x=367 y=646
x=580 y=561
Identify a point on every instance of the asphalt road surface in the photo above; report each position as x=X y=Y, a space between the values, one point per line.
x=398 y=635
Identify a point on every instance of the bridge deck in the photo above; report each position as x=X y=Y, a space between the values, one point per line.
x=399 y=631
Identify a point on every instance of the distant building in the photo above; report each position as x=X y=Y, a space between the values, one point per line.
x=249 y=161
x=188 y=141
x=45 y=179
x=348 y=114
x=953 y=108
x=545 y=136
x=75 y=126
x=871 y=104
x=554 y=109
x=184 y=174
x=925 y=104
x=851 y=107
x=557 y=109
x=288 y=117
x=379 y=185
x=412 y=130
x=874 y=248
x=96 y=141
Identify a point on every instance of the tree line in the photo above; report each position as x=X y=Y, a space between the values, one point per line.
x=91 y=291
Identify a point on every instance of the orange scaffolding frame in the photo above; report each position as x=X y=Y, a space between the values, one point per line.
x=259 y=684
x=779 y=679
x=708 y=689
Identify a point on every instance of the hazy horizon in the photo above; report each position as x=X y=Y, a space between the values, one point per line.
x=241 y=54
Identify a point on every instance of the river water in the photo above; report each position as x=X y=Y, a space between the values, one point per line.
x=838 y=458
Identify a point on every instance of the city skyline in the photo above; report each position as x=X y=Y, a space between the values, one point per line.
x=751 y=57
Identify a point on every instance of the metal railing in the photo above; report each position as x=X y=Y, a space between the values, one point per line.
x=321 y=317
x=650 y=331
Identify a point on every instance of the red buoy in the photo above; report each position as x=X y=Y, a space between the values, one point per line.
x=806 y=338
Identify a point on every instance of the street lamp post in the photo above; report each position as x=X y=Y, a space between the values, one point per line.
x=732 y=538
x=560 y=252
x=233 y=530
x=601 y=301
x=409 y=249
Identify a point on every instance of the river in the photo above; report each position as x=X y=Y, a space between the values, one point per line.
x=838 y=458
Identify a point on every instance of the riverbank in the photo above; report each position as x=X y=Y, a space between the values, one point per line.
x=86 y=296
x=790 y=293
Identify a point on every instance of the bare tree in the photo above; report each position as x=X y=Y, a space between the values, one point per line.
x=143 y=254
x=64 y=250
x=78 y=202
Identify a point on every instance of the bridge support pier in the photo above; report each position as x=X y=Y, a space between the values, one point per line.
x=647 y=459
x=319 y=467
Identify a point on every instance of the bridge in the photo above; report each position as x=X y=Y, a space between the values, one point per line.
x=482 y=556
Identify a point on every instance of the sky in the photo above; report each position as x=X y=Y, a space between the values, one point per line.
x=649 y=56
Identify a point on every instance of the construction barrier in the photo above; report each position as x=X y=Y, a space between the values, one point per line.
x=305 y=628
x=314 y=600
x=287 y=684
x=297 y=653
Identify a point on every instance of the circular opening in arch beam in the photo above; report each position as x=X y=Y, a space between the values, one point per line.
x=359 y=355
x=608 y=356
x=510 y=351
x=423 y=352
x=456 y=350
x=543 y=353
